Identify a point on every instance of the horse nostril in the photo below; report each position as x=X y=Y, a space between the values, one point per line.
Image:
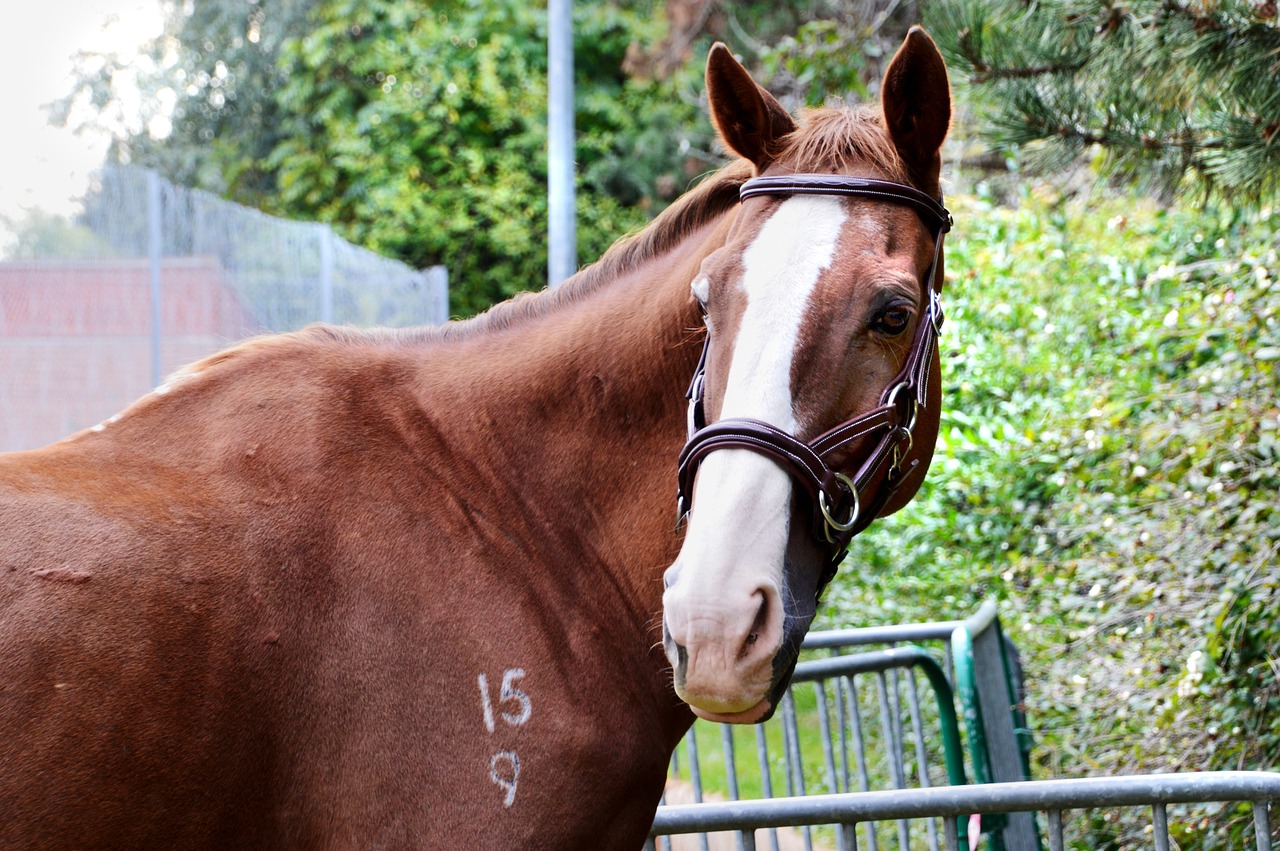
x=760 y=625
x=680 y=664
x=675 y=651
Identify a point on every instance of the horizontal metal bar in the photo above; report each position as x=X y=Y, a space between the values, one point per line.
x=899 y=633
x=831 y=667
x=894 y=634
x=948 y=801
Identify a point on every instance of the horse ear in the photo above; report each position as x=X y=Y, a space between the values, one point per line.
x=749 y=119
x=916 y=99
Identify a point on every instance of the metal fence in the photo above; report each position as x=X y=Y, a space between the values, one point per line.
x=153 y=276
x=886 y=717
x=1253 y=791
x=872 y=749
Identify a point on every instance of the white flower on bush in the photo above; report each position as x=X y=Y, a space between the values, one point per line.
x=1194 y=675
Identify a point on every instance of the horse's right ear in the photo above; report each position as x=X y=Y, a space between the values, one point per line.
x=749 y=119
x=916 y=99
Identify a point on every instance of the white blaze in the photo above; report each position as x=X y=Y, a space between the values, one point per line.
x=741 y=501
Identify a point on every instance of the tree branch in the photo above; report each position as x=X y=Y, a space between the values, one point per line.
x=983 y=72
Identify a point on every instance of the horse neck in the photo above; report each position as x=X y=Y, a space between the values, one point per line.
x=581 y=415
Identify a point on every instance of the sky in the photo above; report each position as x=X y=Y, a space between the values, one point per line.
x=42 y=166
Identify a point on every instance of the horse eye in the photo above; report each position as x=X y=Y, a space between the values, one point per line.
x=892 y=321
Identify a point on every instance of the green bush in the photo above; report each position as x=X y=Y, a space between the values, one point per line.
x=1108 y=467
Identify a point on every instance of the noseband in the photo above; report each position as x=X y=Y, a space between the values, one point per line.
x=839 y=496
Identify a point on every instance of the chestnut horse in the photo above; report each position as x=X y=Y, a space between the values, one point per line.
x=345 y=589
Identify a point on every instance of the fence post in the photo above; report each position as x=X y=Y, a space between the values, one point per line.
x=155 y=250
x=562 y=256
x=438 y=284
x=326 y=274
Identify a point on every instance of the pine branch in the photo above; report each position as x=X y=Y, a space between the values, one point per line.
x=1187 y=142
x=1166 y=89
x=984 y=73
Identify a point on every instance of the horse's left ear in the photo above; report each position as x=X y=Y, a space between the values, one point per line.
x=749 y=119
x=916 y=99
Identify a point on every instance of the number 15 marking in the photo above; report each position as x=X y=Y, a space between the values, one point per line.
x=510 y=694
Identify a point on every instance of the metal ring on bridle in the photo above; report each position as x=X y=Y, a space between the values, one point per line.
x=915 y=409
x=832 y=523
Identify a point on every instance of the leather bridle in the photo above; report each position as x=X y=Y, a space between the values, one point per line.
x=840 y=502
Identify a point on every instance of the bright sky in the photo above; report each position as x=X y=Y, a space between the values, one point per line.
x=40 y=165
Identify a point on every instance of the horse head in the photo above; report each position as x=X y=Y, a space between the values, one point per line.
x=816 y=407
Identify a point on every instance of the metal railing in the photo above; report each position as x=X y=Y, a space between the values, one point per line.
x=1053 y=798
x=880 y=782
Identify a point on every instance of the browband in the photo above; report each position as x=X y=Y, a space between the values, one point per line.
x=838 y=184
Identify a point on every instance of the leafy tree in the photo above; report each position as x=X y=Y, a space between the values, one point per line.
x=1164 y=90
x=422 y=134
x=807 y=52
x=208 y=116
x=416 y=129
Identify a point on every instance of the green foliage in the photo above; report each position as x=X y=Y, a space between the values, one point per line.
x=415 y=129
x=1164 y=90
x=1108 y=466
x=207 y=118
x=421 y=134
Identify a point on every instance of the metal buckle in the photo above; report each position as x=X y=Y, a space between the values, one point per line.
x=895 y=466
x=935 y=310
x=832 y=523
x=892 y=401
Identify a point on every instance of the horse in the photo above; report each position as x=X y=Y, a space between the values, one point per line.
x=422 y=588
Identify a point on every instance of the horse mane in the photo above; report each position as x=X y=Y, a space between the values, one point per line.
x=827 y=140
x=700 y=206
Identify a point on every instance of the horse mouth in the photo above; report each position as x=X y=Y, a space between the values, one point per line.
x=762 y=711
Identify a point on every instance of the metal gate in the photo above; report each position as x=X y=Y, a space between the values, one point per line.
x=870 y=744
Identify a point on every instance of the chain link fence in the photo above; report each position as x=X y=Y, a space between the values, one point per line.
x=153 y=276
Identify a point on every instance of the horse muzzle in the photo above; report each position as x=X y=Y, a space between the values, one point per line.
x=724 y=649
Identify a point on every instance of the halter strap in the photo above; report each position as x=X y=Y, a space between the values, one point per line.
x=834 y=494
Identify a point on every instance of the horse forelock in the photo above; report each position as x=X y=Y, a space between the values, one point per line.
x=834 y=140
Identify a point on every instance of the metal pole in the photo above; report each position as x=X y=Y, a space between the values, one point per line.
x=562 y=254
x=326 y=274
x=155 y=249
